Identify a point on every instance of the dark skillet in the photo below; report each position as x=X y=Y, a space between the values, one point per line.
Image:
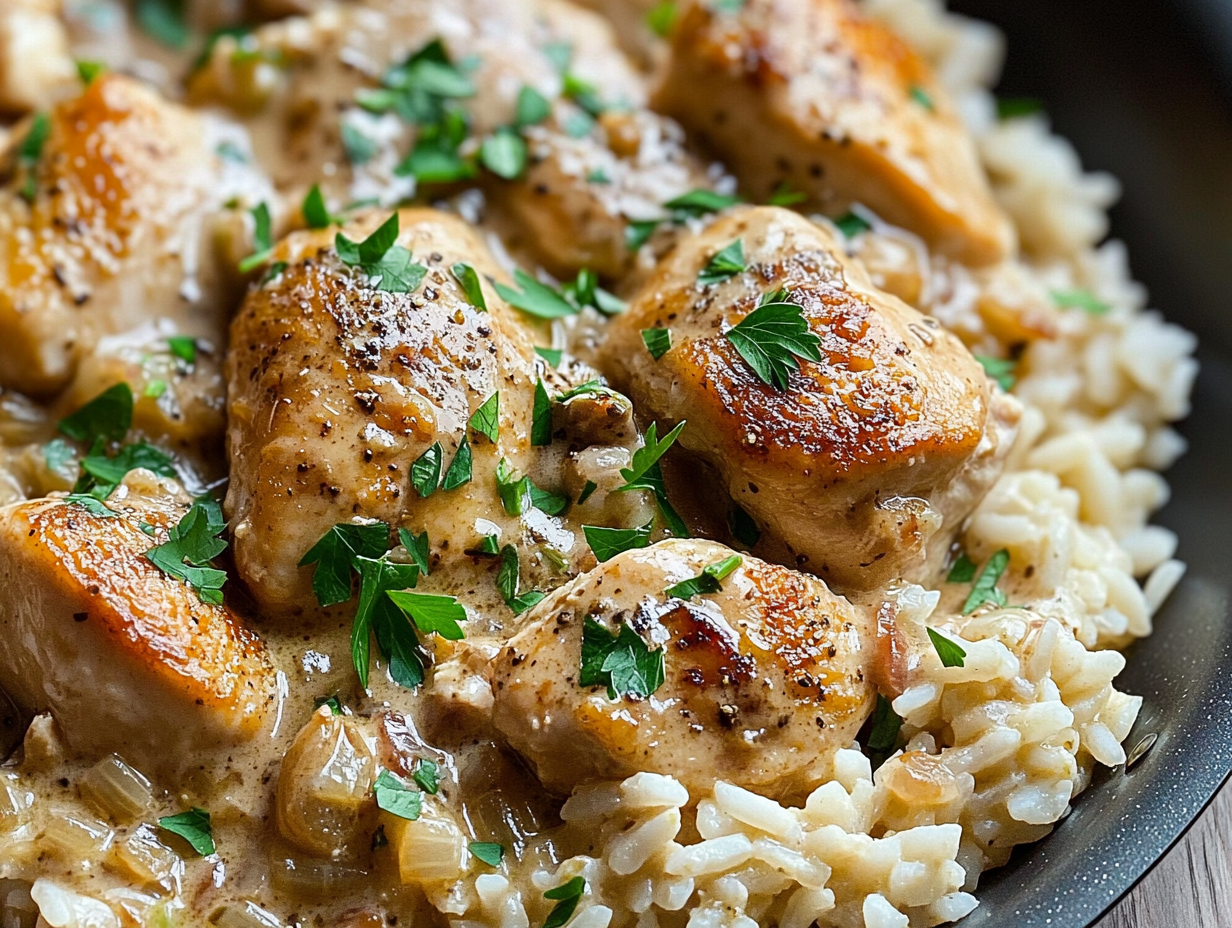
x=1144 y=90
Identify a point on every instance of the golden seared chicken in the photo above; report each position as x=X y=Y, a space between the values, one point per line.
x=760 y=681
x=337 y=389
x=340 y=106
x=813 y=94
x=35 y=62
x=125 y=657
x=101 y=229
x=893 y=435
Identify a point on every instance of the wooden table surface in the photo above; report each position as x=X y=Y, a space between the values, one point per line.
x=1192 y=886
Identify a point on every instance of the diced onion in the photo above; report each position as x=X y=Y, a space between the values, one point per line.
x=77 y=839
x=313 y=879
x=430 y=849
x=147 y=860
x=117 y=789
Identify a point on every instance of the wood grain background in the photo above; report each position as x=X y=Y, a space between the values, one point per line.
x=1192 y=886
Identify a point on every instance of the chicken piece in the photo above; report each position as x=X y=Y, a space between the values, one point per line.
x=585 y=177
x=101 y=231
x=762 y=682
x=841 y=109
x=335 y=389
x=126 y=658
x=853 y=467
x=35 y=64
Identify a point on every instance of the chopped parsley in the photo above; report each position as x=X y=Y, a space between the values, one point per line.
x=316 y=213
x=638 y=232
x=333 y=702
x=31 y=151
x=101 y=474
x=194 y=827
x=382 y=259
x=191 y=548
x=1018 y=107
x=486 y=419
x=724 y=265
x=468 y=279
x=396 y=798
x=922 y=97
x=744 y=530
x=417 y=548
x=1002 y=370
x=783 y=195
x=427 y=776
x=697 y=203
x=541 y=423
x=851 y=224
x=489 y=852
x=377 y=615
x=647 y=456
x=504 y=153
x=534 y=298
x=886 y=724
x=551 y=355
x=359 y=148
x=89 y=71
x=532 y=108
x=623 y=662
x=426 y=470
x=708 y=581
x=962 y=571
x=588 y=490
x=661 y=17
x=432 y=613
x=508 y=581
x=519 y=494
x=950 y=652
x=489 y=546
x=658 y=341
x=985 y=589
x=773 y=337
x=1085 y=300
x=91 y=505
x=163 y=20
x=107 y=417
x=262 y=239
x=566 y=897
x=606 y=543
x=57 y=453
x=459 y=472
x=335 y=553
x=585 y=291
x=183 y=348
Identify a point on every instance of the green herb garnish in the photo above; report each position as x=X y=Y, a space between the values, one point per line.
x=744 y=530
x=486 y=419
x=194 y=827
x=89 y=71
x=1085 y=300
x=532 y=108
x=773 y=338
x=508 y=582
x=388 y=265
x=504 y=153
x=262 y=239
x=468 y=279
x=657 y=341
x=432 y=613
x=985 y=589
x=335 y=553
x=191 y=548
x=489 y=852
x=606 y=543
x=396 y=798
x=724 y=265
x=107 y=417
x=459 y=472
x=922 y=97
x=883 y=735
x=316 y=213
x=426 y=470
x=541 y=423
x=851 y=224
x=417 y=548
x=708 y=581
x=661 y=17
x=1002 y=370
x=163 y=20
x=359 y=148
x=699 y=202
x=31 y=151
x=1018 y=107
x=566 y=897
x=622 y=662
x=950 y=652
x=427 y=776
x=784 y=196
x=184 y=348
x=534 y=298
x=962 y=571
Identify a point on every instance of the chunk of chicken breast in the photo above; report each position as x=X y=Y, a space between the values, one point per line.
x=585 y=178
x=35 y=63
x=124 y=657
x=101 y=230
x=762 y=680
x=868 y=452
x=813 y=94
x=336 y=389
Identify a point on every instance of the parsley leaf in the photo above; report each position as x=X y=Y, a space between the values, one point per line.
x=783 y=195
x=567 y=895
x=963 y=570
x=587 y=490
x=585 y=291
x=334 y=703
x=724 y=265
x=426 y=470
x=88 y=71
x=623 y=663
x=661 y=17
x=459 y=472
x=417 y=548
x=551 y=355
x=1002 y=370
x=396 y=798
x=771 y=338
x=744 y=530
x=190 y=549
x=262 y=238
x=1017 y=107
x=532 y=108
x=647 y=456
x=851 y=224
x=108 y=416
x=541 y=424
x=489 y=546
x=883 y=735
x=950 y=652
x=486 y=419
x=378 y=615
x=184 y=348
x=101 y=474
x=381 y=259
x=708 y=581
x=606 y=543
x=638 y=232
x=699 y=202
x=316 y=213
x=504 y=153
x=489 y=852
x=922 y=97
x=194 y=827
x=56 y=454
x=432 y=613
x=1085 y=300
x=359 y=148
x=468 y=280
x=534 y=298
x=91 y=505
x=985 y=589
x=508 y=580
x=335 y=554
x=427 y=776
x=31 y=151
x=163 y=20
x=519 y=493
